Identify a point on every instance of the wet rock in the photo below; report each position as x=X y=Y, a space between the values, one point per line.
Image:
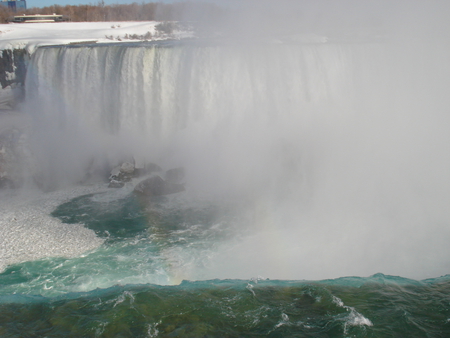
x=13 y=63
x=152 y=167
x=175 y=175
x=115 y=184
x=122 y=173
x=147 y=169
x=115 y=173
x=127 y=168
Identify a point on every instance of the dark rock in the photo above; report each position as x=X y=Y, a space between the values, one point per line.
x=175 y=175
x=147 y=169
x=156 y=186
x=153 y=186
x=152 y=167
x=13 y=63
x=139 y=172
x=6 y=183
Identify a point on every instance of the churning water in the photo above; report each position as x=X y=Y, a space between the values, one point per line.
x=303 y=161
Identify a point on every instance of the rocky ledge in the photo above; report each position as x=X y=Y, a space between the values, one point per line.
x=13 y=68
x=158 y=183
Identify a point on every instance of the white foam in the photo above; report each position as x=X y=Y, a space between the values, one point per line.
x=354 y=318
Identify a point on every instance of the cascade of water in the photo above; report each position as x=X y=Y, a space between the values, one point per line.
x=143 y=97
x=340 y=149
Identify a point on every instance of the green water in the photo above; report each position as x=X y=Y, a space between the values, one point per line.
x=379 y=306
x=123 y=289
x=157 y=241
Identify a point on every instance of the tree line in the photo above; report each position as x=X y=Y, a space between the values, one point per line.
x=152 y=11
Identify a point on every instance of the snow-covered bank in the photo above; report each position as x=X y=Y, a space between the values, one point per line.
x=29 y=233
x=32 y=35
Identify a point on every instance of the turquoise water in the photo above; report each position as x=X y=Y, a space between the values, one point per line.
x=303 y=160
x=379 y=306
x=130 y=287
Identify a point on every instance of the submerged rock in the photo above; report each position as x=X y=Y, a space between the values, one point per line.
x=156 y=186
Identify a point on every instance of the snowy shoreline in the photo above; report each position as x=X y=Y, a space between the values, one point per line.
x=28 y=231
x=30 y=36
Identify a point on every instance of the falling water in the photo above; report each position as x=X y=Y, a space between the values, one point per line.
x=339 y=150
x=312 y=155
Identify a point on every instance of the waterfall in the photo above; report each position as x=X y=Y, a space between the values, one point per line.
x=339 y=146
x=150 y=100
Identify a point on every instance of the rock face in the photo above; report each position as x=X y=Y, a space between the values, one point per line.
x=13 y=64
x=156 y=186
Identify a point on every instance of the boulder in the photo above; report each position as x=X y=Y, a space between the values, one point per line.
x=127 y=168
x=122 y=173
x=156 y=186
x=147 y=169
x=115 y=173
x=116 y=184
x=175 y=175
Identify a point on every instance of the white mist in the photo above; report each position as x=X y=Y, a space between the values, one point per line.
x=336 y=142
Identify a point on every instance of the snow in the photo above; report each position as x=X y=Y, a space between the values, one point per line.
x=28 y=232
x=33 y=35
